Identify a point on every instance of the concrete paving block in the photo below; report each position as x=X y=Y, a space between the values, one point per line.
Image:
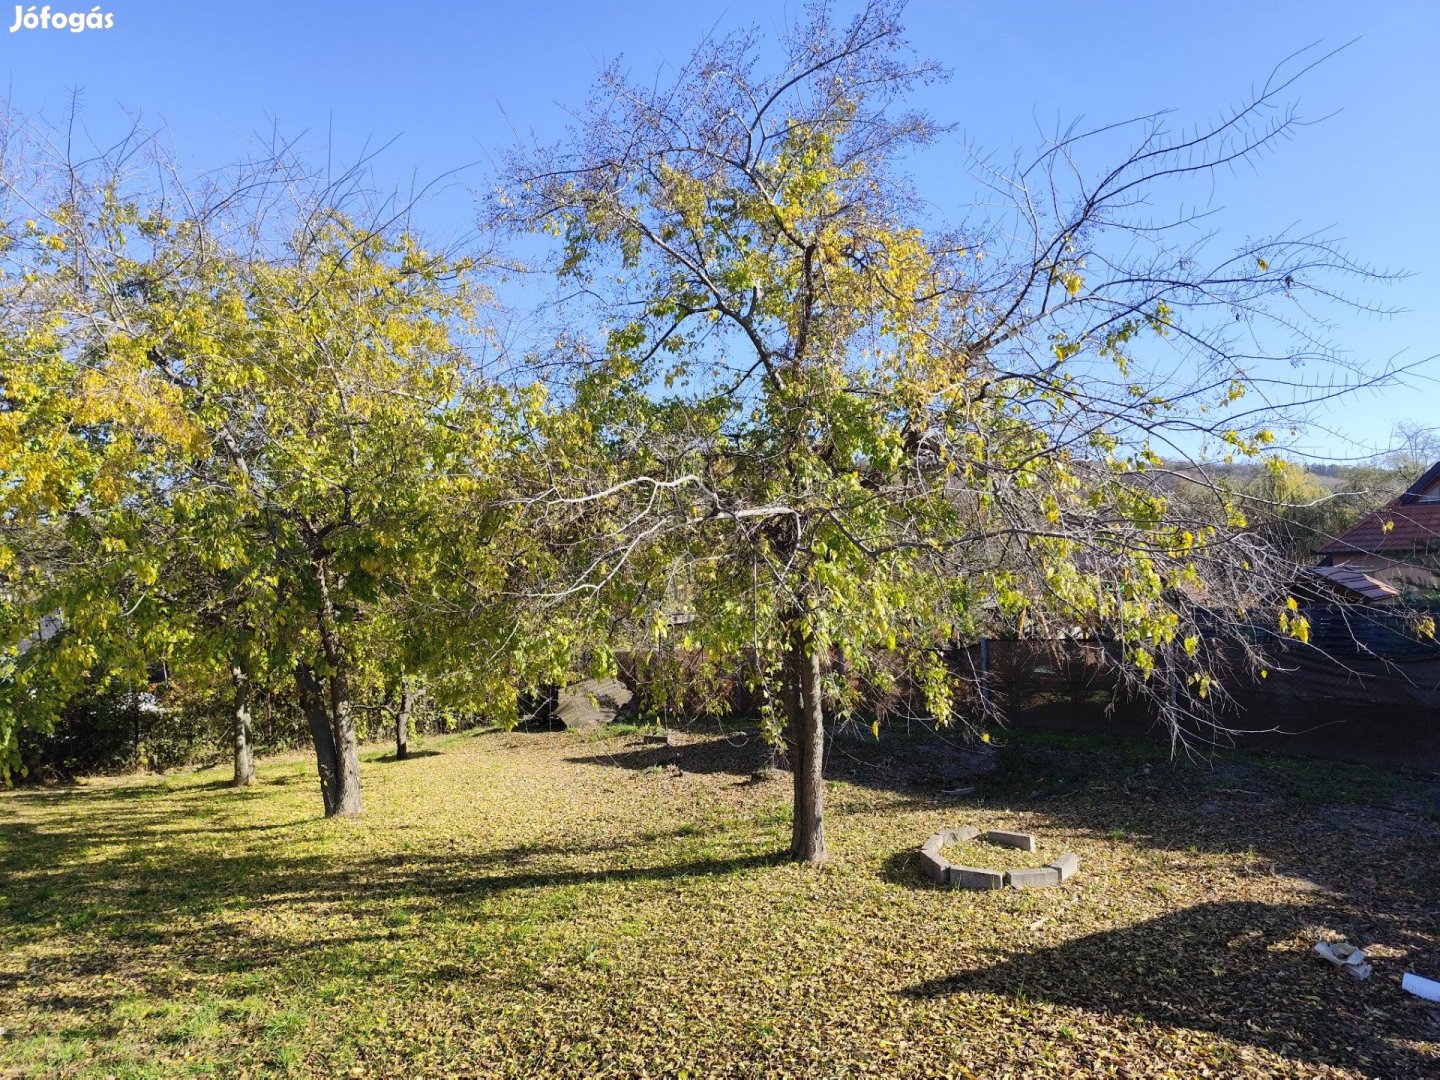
x=935 y=843
x=972 y=877
x=1021 y=841
x=1067 y=864
x=1032 y=877
x=965 y=832
x=936 y=868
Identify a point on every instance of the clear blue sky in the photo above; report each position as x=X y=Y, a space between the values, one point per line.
x=451 y=79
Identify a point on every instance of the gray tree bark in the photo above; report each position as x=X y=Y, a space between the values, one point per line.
x=244 y=747
x=347 y=746
x=312 y=703
x=402 y=721
x=807 y=741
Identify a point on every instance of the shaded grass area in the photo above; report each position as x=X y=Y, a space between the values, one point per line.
x=520 y=904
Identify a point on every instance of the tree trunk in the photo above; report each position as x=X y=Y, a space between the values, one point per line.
x=312 y=703
x=402 y=722
x=985 y=678
x=347 y=746
x=347 y=749
x=244 y=749
x=137 y=745
x=807 y=742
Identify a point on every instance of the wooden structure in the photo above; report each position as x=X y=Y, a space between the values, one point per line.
x=1397 y=545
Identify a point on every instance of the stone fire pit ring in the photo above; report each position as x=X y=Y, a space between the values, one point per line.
x=943 y=872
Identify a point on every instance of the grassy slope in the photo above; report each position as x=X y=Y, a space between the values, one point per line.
x=532 y=904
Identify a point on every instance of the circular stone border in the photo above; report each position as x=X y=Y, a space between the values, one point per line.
x=943 y=872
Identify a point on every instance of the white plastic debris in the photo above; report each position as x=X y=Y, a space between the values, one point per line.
x=1346 y=957
x=1420 y=986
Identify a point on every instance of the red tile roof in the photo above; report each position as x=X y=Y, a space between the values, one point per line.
x=1411 y=526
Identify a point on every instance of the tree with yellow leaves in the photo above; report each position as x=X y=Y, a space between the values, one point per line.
x=240 y=421
x=846 y=431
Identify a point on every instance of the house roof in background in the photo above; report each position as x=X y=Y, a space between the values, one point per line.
x=1356 y=581
x=1408 y=523
x=1427 y=487
x=1410 y=527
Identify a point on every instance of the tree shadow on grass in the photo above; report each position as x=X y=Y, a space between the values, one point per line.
x=1308 y=819
x=39 y=862
x=146 y=910
x=70 y=794
x=413 y=755
x=102 y=887
x=1241 y=970
x=903 y=868
x=160 y=922
x=899 y=762
x=1348 y=830
x=715 y=755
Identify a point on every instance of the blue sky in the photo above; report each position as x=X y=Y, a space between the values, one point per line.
x=451 y=81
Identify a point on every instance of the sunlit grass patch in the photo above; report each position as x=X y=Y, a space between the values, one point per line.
x=545 y=903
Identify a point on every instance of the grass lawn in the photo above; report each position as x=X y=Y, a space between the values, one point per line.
x=569 y=905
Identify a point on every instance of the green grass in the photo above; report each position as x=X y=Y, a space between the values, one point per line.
x=982 y=853
x=571 y=905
